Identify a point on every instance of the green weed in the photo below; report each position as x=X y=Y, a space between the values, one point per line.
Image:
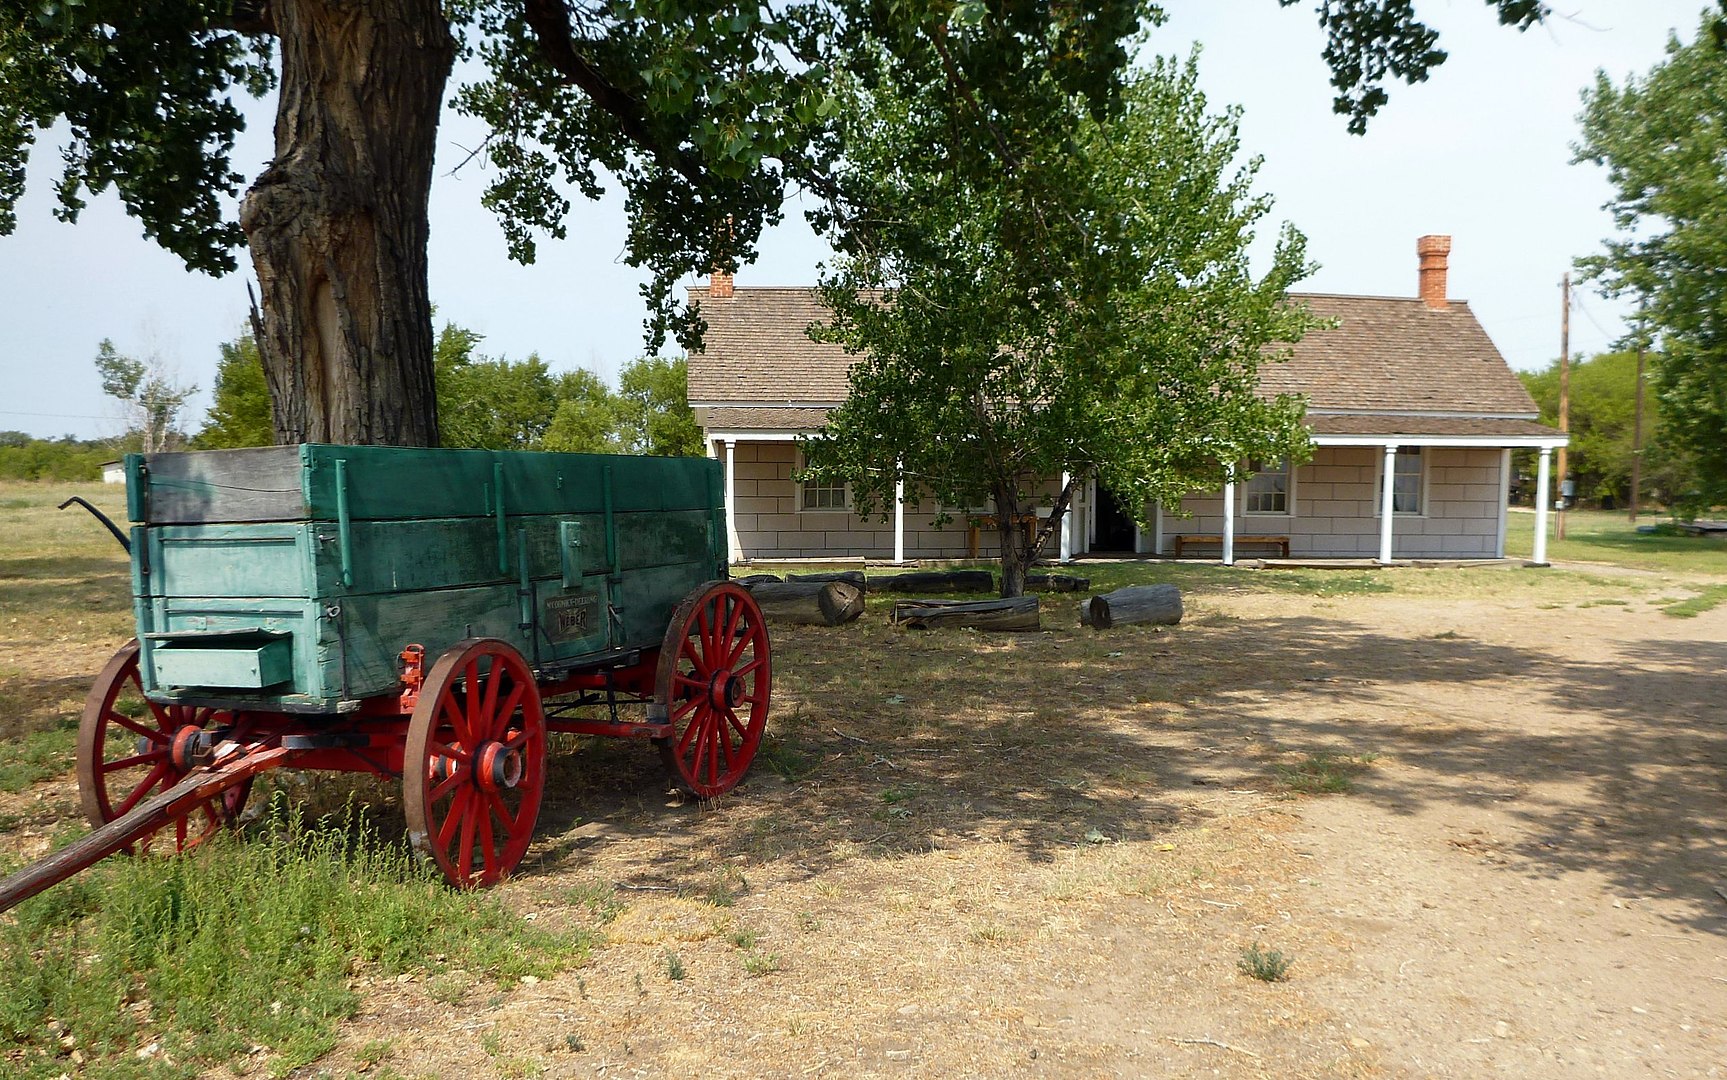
x=1706 y=600
x=744 y=938
x=1325 y=773
x=675 y=970
x=726 y=887
x=757 y=964
x=37 y=756
x=1272 y=966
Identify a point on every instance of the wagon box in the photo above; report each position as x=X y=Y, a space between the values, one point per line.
x=426 y=615
x=349 y=553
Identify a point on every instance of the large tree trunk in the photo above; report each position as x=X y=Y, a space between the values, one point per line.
x=337 y=223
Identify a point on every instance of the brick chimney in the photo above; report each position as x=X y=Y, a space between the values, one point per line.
x=720 y=285
x=1435 y=252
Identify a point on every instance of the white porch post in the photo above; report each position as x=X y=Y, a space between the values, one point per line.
x=1067 y=522
x=1504 y=500
x=1157 y=529
x=1543 y=477
x=1229 y=519
x=734 y=549
x=899 y=513
x=1387 y=503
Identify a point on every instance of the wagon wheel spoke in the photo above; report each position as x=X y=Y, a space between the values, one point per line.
x=508 y=710
x=132 y=762
x=450 y=713
x=450 y=783
x=122 y=720
x=451 y=751
x=495 y=803
x=488 y=850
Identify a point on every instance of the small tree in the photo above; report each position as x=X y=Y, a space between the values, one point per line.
x=152 y=397
x=654 y=407
x=588 y=418
x=1078 y=300
x=1664 y=146
x=240 y=412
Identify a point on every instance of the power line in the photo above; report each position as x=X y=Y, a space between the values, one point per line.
x=56 y=415
x=1577 y=302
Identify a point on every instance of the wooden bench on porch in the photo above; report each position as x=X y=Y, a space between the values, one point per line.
x=975 y=525
x=1281 y=542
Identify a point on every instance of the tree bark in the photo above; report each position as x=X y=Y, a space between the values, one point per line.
x=1136 y=604
x=937 y=581
x=337 y=223
x=1057 y=582
x=854 y=578
x=1009 y=613
x=811 y=603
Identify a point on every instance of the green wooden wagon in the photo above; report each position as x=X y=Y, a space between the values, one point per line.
x=427 y=615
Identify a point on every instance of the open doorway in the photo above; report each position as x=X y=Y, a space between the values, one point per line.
x=1115 y=530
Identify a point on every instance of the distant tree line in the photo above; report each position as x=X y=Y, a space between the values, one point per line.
x=494 y=403
x=25 y=457
x=1602 y=422
x=489 y=403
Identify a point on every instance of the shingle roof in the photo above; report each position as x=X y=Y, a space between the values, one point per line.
x=1387 y=354
x=755 y=349
x=1393 y=424
x=1401 y=356
x=780 y=417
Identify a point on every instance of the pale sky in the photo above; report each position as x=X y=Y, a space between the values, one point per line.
x=1481 y=152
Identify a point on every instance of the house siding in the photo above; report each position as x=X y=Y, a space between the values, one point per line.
x=1336 y=511
x=770 y=525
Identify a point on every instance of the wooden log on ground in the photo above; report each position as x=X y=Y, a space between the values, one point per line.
x=1014 y=613
x=938 y=581
x=750 y=581
x=1137 y=604
x=808 y=603
x=1057 y=583
x=854 y=578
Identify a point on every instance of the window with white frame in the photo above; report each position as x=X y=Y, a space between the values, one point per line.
x=1407 y=477
x=1267 y=490
x=815 y=496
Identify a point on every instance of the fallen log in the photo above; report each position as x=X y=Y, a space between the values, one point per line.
x=750 y=581
x=1137 y=604
x=808 y=603
x=854 y=578
x=938 y=581
x=1057 y=583
x=1014 y=613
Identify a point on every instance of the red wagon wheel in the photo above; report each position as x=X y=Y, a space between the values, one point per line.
x=475 y=764
x=714 y=678
x=126 y=754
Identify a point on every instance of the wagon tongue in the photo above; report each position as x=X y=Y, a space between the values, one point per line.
x=201 y=784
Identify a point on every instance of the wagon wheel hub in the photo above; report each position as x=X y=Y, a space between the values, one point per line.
x=498 y=767
x=725 y=690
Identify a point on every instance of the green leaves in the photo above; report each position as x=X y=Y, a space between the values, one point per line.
x=146 y=90
x=1663 y=140
x=1369 y=41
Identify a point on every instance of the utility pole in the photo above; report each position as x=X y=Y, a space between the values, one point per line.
x=1637 y=425
x=1564 y=395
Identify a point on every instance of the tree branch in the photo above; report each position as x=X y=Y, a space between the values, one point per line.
x=550 y=22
